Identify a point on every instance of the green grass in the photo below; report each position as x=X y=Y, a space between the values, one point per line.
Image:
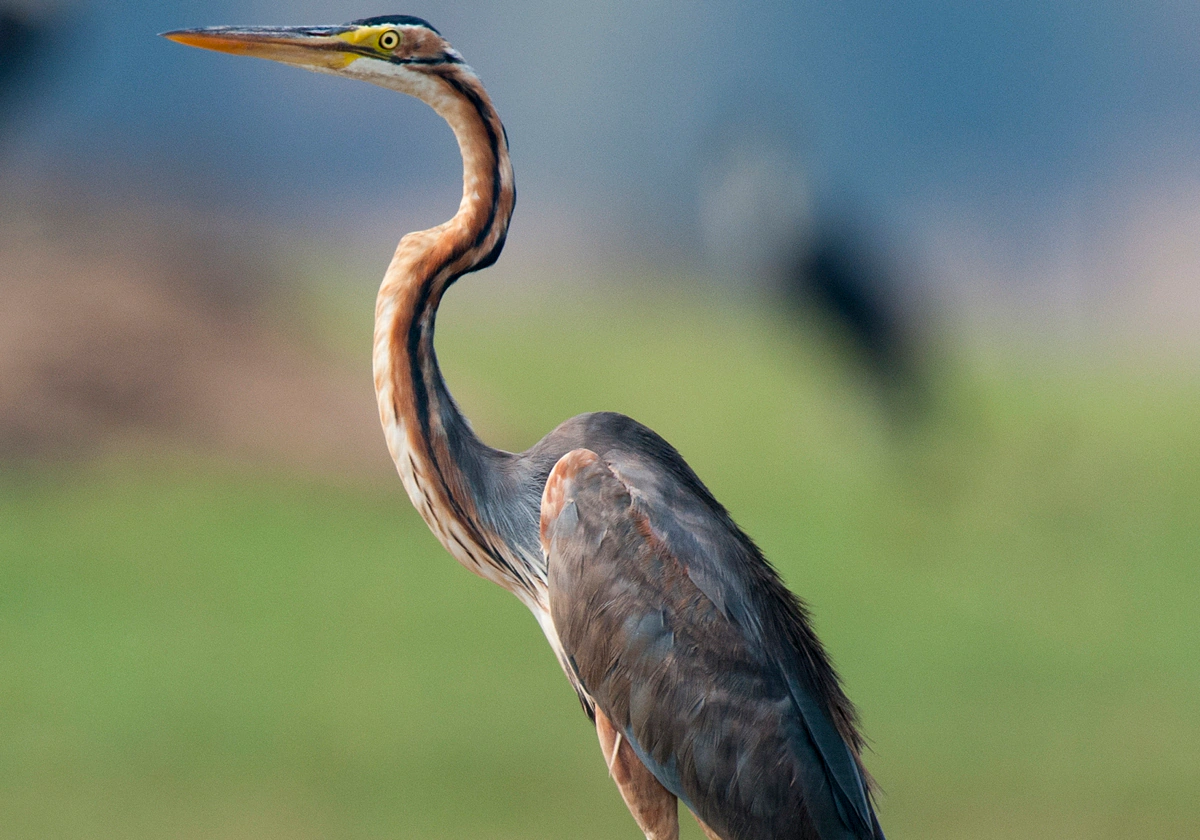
x=1011 y=590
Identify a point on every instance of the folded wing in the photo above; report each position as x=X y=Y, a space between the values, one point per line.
x=661 y=612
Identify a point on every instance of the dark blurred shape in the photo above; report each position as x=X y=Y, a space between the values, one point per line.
x=843 y=274
x=17 y=37
x=763 y=225
x=22 y=64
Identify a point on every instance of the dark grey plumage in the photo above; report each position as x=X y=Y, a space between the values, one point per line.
x=688 y=641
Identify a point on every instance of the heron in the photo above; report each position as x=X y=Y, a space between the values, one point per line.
x=699 y=668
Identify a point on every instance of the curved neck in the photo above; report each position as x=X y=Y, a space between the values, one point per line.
x=447 y=470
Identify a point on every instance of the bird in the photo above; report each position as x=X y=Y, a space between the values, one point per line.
x=699 y=668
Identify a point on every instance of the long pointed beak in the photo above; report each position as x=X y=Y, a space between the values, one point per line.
x=312 y=47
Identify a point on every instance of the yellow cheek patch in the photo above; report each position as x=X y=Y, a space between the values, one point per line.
x=367 y=36
x=330 y=60
x=343 y=60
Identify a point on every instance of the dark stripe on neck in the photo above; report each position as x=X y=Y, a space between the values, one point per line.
x=419 y=340
x=471 y=95
x=424 y=310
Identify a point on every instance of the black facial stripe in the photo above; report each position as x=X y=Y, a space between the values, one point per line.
x=367 y=52
x=430 y=62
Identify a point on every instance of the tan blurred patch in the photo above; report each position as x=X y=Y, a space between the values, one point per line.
x=130 y=326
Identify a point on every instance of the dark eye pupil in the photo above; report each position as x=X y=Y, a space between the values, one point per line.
x=389 y=40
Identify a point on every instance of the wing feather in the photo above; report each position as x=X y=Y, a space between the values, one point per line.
x=670 y=631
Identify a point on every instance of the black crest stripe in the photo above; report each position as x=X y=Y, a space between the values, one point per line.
x=395 y=20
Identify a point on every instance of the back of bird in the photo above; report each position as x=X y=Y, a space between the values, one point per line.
x=686 y=639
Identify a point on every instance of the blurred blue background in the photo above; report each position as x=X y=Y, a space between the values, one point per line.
x=1016 y=135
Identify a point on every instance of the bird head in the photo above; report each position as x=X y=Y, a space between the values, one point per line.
x=394 y=51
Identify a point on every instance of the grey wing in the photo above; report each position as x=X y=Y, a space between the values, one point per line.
x=708 y=706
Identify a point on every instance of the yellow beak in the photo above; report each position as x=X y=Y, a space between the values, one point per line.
x=312 y=47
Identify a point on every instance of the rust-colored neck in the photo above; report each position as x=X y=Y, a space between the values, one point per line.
x=448 y=472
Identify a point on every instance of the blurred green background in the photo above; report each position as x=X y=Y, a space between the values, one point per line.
x=197 y=648
x=221 y=618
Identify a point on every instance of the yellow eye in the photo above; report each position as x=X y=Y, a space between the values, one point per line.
x=389 y=40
